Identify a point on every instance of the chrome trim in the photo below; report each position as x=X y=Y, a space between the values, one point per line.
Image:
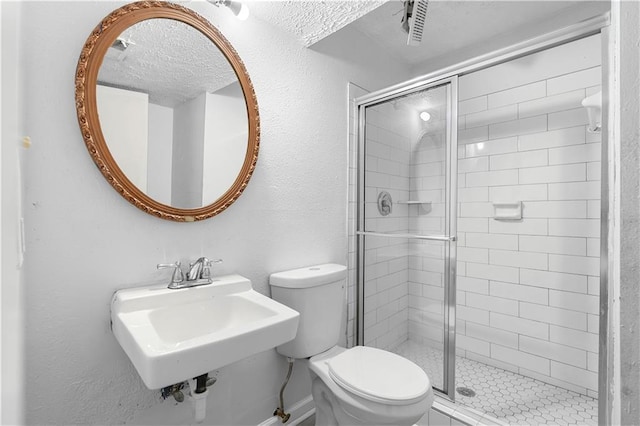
x=446 y=238
x=604 y=397
x=451 y=229
x=350 y=224
x=360 y=248
x=449 y=353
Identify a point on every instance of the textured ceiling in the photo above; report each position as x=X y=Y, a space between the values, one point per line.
x=167 y=59
x=311 y=20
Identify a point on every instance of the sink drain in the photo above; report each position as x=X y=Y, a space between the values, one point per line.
x=465 y=391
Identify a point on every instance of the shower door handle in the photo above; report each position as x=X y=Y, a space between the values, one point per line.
x=450 y=238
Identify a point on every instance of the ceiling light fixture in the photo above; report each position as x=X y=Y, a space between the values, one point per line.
x=237 y=7
x=425 y=116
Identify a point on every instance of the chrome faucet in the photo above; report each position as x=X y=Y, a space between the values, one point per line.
x=199 y=273
x=178 y=277
x=199 y=269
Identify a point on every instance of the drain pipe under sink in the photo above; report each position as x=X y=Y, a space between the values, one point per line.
x=280 y=410
x=199 y=392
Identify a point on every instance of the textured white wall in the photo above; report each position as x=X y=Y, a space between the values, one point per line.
x=85 y=241
x=11 y=373
x=628 y=18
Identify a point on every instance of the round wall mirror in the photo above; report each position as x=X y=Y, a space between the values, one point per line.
x=167 y=111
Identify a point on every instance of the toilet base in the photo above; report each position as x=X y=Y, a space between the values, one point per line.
x=338 y=407
x=325 y=401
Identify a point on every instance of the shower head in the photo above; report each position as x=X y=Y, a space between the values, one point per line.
x=415 y=13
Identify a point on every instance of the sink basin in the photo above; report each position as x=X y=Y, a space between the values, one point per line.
x=174 y=335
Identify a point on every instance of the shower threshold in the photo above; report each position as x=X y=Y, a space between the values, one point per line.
x=508 y=397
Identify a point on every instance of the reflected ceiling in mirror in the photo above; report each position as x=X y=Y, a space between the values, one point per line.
x=167 y=111
x=167 y=59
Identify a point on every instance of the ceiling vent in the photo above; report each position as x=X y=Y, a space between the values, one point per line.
x=415 y=14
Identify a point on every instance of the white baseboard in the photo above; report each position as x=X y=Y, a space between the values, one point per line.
x=299 y=411
x=303 y=417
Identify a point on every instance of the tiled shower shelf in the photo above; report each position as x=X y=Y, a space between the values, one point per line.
x=414 y=202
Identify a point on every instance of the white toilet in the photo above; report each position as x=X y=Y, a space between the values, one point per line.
x=357 y=386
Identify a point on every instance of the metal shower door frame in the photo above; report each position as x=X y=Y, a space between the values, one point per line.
x=450 y=236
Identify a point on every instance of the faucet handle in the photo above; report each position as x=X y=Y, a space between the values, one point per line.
x=168 y=265
x=206 y=267
x=177 y=276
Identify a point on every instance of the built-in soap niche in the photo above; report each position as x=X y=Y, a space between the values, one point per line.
x=511 y=210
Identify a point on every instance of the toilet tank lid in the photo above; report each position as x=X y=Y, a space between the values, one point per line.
x=310 y=276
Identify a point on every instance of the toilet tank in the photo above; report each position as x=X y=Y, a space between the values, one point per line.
x=317 y=293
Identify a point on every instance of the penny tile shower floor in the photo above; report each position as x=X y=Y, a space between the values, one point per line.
x=509 y=397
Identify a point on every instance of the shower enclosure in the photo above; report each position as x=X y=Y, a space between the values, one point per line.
x=478 y=231
x=409 y=250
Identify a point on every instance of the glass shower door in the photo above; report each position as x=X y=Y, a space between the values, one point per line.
x=407 y=227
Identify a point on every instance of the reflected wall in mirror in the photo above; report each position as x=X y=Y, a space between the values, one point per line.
x=167 y=111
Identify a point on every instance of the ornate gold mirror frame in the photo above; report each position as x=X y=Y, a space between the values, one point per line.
x=93 y=52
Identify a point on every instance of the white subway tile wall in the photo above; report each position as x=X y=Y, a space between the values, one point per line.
x=538 y=286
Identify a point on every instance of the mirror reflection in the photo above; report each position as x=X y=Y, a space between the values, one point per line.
x=173 y=113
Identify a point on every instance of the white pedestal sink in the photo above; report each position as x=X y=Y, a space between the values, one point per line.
x=174 y=335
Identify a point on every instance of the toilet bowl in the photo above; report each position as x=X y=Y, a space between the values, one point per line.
x=368 y=386
x=357 y=386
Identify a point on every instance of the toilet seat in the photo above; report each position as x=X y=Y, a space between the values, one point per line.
x=339 y=399
x=357 y=370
